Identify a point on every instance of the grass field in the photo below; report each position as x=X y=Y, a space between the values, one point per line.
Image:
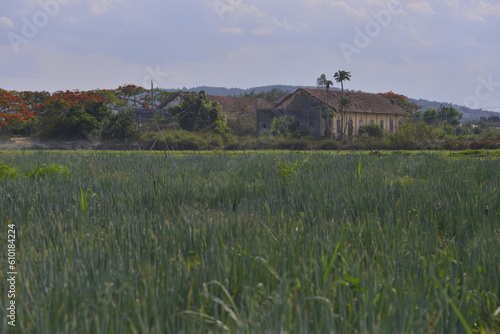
x=251 y=243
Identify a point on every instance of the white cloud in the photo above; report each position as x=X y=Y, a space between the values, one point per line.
x=283 y=24
x=358 y=9
x=6 y=21
x=263 y=31
x=233 y=30
x=475 y=10
x=354 y=11
x=487 y=8
x=417 y=36
x=233 y=9
x=98 y=7
x=249 y=18
x=420 y=7
x=453 y=3
x=473 y=15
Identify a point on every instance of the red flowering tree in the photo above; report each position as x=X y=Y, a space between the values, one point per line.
x=401 y=101
x=33 y=100
x=13 y=111
x=135 y=96
x=110 y=98
x=72 y=114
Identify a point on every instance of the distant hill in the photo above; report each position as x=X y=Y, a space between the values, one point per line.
x=221 y=91
x=468 y=113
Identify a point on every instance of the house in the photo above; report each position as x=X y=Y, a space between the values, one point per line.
x=308 y=106
x=173 y=101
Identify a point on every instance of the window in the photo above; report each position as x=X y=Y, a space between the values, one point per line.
x=263 y=125
x=391 y=125
x=382 y=123
x=350 y=127
x=372 y=121
x=312 y=124
x=361 y=123
x=339 y=126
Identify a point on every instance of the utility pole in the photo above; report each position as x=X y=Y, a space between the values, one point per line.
x=152 y=95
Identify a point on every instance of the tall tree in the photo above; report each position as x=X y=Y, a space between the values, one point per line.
x=445 y=115
x=72 y=115
x=321 y=81
x=134 y=95
x=451 y=116
x=324 y=83
x=341 y=76
x=198 y=113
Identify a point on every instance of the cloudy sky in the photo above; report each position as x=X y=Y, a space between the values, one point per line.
x=444 y=50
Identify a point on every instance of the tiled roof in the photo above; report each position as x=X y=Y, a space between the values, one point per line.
x=359 y=102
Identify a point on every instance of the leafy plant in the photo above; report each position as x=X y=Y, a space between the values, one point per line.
x=84 y=199
x=288 y=168
x=8 y=172
x=281 y=125
x=41 y=171
x=360 y=166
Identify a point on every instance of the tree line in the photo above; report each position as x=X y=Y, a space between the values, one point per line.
x=198 y=122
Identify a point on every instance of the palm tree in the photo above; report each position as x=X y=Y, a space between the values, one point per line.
x=342 y=76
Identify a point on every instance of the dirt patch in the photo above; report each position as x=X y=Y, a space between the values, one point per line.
x=16 y=143
x=22 y=140
x=27 y=143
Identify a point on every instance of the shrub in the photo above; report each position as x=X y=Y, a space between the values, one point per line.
x=371 y=130
x=453 y=144
x=329 y=144
x=491 y=135
x=485 y=144
x=367 y=143
x=411 y=136
x=8 y=172
x=243 y=125
x=121 y=126
x=185 y=140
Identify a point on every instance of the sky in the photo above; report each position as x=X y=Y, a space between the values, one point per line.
x=444 y=50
